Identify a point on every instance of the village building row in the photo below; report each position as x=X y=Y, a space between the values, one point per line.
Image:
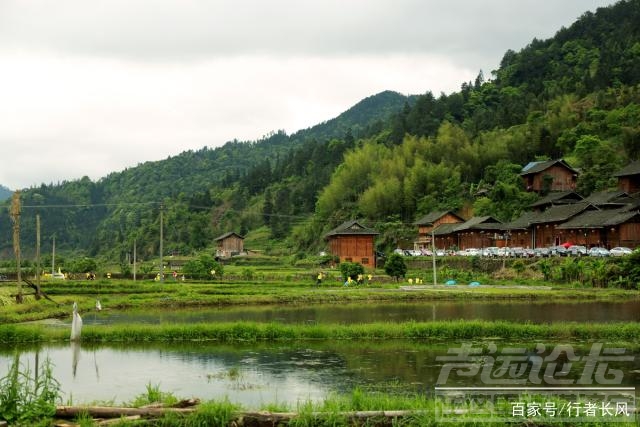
x=608 y=219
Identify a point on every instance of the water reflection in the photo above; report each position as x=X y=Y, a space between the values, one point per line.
x=75 y=356
x=260 y=373
x=385 y=312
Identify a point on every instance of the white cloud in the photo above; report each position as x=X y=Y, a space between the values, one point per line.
x=112 y=114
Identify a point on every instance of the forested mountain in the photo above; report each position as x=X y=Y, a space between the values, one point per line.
x=388 y=160
x=106 y=216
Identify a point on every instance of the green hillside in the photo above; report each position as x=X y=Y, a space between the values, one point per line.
x=389 y=159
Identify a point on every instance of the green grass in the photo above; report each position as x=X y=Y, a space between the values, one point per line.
x=251 y=332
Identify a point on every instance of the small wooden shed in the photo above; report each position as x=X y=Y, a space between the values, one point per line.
x=229 y=244
x=629 y=178
x=430 y=222
x=550 y=175
x=353 y=242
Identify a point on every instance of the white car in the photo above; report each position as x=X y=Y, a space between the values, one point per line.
x=596 y=251
x=620 y=251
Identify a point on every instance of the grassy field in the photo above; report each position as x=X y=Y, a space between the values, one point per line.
x=267 y=286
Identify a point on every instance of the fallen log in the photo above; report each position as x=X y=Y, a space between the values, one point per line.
x=115 y=411
x=247 y=419
x=262 y=418
x=113 y=421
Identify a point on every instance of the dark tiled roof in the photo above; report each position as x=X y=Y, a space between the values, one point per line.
x=556 y=197
x=537 y=167
x=631 y=169
x=607 y=197
x=479 y=223
x=522 y=222
x=599 y=219
x=432 y=217
x=560 y=213
x=351 y=227
x=444 y=229
x=225 y=235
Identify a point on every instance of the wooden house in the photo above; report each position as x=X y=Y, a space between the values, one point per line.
x=606 y=228
x=229 y=244
x=555 y=198
x=544 y=227
x=609 y=199
x=519 y=232
x=550 y=175
x=430 y=222
x=629 y=178
x=353 y=242
x=445 y=237
x=478 y=232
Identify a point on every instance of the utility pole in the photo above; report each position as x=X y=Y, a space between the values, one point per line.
x=161 y=249
x=433 y=254
x=38 y=267
x=134 y=260
x=15 y=216
x=53 y=256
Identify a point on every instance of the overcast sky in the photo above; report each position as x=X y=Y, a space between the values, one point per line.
x=89 y=87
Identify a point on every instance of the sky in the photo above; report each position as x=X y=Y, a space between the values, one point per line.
x=90 y=87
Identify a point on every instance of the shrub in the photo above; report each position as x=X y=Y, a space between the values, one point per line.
x=395 y=266
x=203 y=267
x=351 y=269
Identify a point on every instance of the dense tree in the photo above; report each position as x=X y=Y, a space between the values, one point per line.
x=395 y=266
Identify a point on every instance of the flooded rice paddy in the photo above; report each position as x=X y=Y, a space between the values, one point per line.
x=260 y=373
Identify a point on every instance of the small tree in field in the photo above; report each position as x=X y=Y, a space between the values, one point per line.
x=351 y=269
x=203 y=267
x=395 y=266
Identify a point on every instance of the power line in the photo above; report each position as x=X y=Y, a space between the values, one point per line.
x=90 y=205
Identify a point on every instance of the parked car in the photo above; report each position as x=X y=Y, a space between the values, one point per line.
x=503 y=252
x=440 y=252
x=597 y=251
x=542 y=252
x=619 y=251
x=517 y=252
x=577 y=250
x=558 y=251
x=491 y=251
x=469 y=252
